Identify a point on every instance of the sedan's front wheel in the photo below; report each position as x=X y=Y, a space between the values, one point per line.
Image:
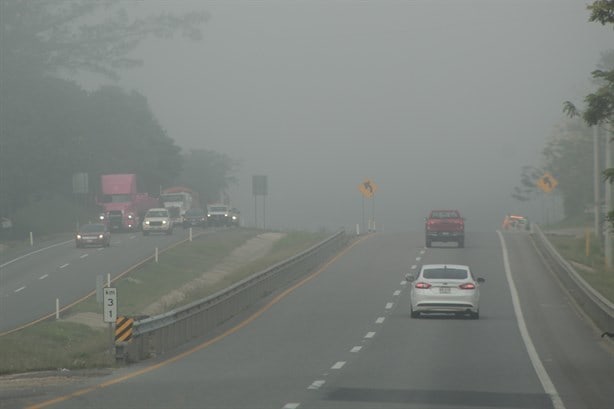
x=414 y=314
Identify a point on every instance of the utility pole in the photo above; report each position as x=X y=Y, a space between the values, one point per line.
x=608 y=203
x=597 y=184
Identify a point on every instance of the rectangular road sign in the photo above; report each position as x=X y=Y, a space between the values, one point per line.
x=109 y=310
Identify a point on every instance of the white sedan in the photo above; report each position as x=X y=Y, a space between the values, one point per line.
x=445 y=288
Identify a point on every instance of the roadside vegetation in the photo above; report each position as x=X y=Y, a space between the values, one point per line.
x=590 y=266
x=52 y=345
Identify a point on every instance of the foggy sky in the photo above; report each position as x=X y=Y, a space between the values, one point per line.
x=440 y=103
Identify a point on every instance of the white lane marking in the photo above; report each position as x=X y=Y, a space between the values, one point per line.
x=64 y=265
x=380 y=320
x=389 y=305
x=397 y=292
x=545 y=380
x=43 y=276
x=418 y=258
x=422 y=251
x=413 y=267
x=338 y=365
x=34 y=252
x=317 y=384
x=291 y=405
x=83 y=255
x=404 y=282
x=100 y=248
x=20 y=289
x=370 y=335
x=356 y=349
x=133 y=237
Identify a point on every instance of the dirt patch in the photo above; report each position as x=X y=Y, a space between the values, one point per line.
x=90 y=319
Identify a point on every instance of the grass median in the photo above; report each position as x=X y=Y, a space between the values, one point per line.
x=590 y=265
x=75 y=345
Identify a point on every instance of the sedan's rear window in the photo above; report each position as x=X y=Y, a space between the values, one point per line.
x=445 y=273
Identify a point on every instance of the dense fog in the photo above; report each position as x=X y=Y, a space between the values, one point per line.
x=440 y=103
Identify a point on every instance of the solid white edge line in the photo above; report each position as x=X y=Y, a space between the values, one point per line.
x=541 y=372
x=20 y=289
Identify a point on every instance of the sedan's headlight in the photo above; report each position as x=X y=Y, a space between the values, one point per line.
x=164 y=222
x=100 y=236
x=147 y=222
x=78 y=237
x=130 y=216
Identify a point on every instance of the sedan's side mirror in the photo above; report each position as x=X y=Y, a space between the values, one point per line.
x=481 y=280
x=410 y=277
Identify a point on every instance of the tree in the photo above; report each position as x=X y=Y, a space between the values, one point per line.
x=47 y=37
x=599 y=105
x=50 y=127
x=209 y=173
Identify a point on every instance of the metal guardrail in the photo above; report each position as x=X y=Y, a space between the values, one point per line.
x=595 y=305
x=156 y=335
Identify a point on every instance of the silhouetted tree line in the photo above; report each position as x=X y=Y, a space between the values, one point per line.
x=51 y=128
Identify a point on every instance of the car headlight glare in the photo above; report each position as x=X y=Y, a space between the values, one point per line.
x=78 y=237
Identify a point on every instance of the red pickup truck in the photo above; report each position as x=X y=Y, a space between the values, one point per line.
x=444 y=226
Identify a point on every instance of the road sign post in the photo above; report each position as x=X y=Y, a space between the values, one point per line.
x=109 y=312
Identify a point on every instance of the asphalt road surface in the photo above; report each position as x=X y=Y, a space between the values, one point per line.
x=31 y=283
x=344 y=339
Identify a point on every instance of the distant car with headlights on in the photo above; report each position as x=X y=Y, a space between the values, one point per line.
x=194 y=217
x=93 y=234
x=157 y=220
x=445 y=288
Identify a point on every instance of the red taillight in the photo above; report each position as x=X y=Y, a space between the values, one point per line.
x=423 y=285
x=467 y=286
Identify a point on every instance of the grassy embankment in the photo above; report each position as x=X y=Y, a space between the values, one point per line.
x=66 y=344
x=591 y=265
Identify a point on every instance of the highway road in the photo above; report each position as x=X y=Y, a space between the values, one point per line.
x=31 y=283
x=344 y=339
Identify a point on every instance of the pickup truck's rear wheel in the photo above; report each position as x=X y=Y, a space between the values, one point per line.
x=428 y=243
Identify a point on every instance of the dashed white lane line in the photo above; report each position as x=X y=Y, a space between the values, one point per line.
x=389 y=305
x=422 y=251
x=404 y=282
x=370 y=335
x=397 y=292
x=380 y=320
x=43 y=276
x=418 y=258
x=20 y=289
x=64 y=265
x=338 y=365
x=291 y=405
x=355 y=349
x=413 y=267
x=83 y=255
x=317 y=384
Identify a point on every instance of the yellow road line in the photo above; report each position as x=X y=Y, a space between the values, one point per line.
x=205 y=344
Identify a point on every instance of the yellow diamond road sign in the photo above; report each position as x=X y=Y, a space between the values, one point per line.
x=547 y=183
x=367 y=188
